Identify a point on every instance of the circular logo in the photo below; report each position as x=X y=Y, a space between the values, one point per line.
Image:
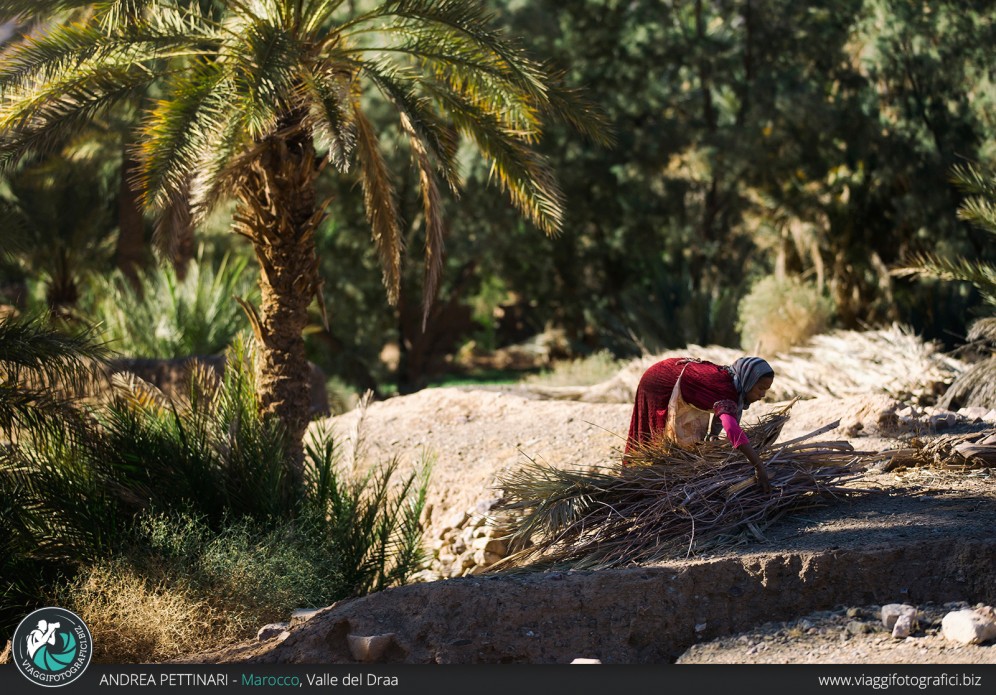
x=52 y=647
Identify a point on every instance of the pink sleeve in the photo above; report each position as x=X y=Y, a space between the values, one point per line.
x=733 y=432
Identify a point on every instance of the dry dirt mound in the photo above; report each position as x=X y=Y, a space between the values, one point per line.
x=475 y=435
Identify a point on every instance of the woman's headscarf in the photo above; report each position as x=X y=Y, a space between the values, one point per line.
x=747 y=371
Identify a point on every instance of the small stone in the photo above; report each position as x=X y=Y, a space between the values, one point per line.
x=268 y=632
x=903 y=627
x=456 y=520
x=485 y=506
x=968 y=627
x=943 y=420
x=856 y=627
x=586 y=661
x=892 y=611
x=855 y=613
x=369 y=648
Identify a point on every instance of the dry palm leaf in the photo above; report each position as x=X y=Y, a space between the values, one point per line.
x=668 y=502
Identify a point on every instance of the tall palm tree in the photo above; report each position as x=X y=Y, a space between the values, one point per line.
x=258 y=98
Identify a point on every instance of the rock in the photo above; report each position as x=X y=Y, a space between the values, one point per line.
x=973 y=413
x=456 y=520
x=892 y=611
x=369 y=648
x=903 y=627
x=301 y=615
x=586 y=661
x=968 y=627
x=484 y=506
x=270 y=631
x=856 y=627
x=491 y=545
x=943 y=420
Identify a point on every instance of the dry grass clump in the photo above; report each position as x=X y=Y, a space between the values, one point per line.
x=670 y=502
x=134 y=620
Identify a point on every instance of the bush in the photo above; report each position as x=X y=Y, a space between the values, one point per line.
x=167 y=317
x=780 y=313
x=161 y=486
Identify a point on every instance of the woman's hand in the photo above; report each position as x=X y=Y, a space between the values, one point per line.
x=761 y=474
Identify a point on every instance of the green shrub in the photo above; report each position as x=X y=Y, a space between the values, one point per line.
x=163 y=486
x=167 y=317
x=780 y=313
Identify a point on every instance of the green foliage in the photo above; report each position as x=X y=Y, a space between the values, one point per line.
x=246 y=566
x=165 y=316
x=779 y=313
x=58 y=212
x=81 y=491
x=42 y=369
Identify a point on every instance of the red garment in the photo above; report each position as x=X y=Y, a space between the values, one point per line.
x=705 y=385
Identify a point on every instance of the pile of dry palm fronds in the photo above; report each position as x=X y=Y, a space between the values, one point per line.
x=964 y=451
x=667 y=502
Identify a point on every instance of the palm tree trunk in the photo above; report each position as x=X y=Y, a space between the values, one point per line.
x=277 y=213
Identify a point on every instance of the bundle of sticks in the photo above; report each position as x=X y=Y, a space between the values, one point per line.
x=666 y=501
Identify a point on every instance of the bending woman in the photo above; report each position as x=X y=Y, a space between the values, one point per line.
x=676 y=397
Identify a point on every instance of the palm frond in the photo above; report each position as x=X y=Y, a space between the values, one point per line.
x=41 y=116
x=265 y=63
x=64 y=48
x=980 y=212
x=398 y=86
x=175 y=131
x=330 y=115
x=522 y=173
x=932 y=265
x=469 y=19
x=571 y=106
x=379 y=202
x=974 y=180
x=43 y=371
x=432 y=205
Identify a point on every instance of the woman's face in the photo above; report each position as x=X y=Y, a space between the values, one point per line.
x=759 y=389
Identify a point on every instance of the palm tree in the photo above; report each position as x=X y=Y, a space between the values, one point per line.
x=259 y=98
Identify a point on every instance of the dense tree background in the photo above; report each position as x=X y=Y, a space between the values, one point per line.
x=753 y=137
